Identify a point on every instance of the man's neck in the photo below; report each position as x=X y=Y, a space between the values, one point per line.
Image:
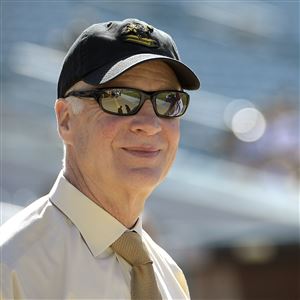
x=123 y=205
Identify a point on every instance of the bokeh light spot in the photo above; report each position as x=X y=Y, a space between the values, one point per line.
x=248 y=124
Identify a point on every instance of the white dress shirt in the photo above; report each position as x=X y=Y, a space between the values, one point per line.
x=59 y=248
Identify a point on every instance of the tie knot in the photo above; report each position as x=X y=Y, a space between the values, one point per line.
x=131 y=247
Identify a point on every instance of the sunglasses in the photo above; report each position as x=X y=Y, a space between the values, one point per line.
x=128 y=101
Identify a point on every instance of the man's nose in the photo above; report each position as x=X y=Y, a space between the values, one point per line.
x=146 y=121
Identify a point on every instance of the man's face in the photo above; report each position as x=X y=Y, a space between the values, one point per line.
x=132 y=152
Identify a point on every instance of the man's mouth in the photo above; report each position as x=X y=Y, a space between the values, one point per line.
x=142 y=151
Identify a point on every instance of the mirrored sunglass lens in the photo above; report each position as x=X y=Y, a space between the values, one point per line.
x=120 y=101
x=171 y=104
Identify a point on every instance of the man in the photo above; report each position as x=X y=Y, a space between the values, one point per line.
x=85 y=238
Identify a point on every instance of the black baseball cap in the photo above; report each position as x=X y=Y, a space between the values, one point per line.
x=104 y=51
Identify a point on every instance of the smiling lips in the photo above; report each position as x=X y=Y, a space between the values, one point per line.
x=147 y=152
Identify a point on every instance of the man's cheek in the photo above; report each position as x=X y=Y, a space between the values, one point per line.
x=110 y=129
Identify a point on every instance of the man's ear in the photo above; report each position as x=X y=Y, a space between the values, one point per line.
x=62 y=111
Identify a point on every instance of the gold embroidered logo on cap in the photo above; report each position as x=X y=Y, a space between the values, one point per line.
x=139 y=34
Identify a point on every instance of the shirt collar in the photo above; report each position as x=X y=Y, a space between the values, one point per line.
x=98 y=228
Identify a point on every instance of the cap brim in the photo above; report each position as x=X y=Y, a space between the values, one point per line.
x=187 y=78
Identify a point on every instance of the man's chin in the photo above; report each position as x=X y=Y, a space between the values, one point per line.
x=144 y=178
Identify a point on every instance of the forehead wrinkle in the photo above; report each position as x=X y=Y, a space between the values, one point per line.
x=159 y=83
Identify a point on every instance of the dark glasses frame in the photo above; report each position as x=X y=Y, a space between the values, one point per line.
x=97 y=93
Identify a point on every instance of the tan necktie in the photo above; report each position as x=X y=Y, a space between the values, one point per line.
x=143 y=284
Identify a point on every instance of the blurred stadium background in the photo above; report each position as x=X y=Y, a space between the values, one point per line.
x=229 y=210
